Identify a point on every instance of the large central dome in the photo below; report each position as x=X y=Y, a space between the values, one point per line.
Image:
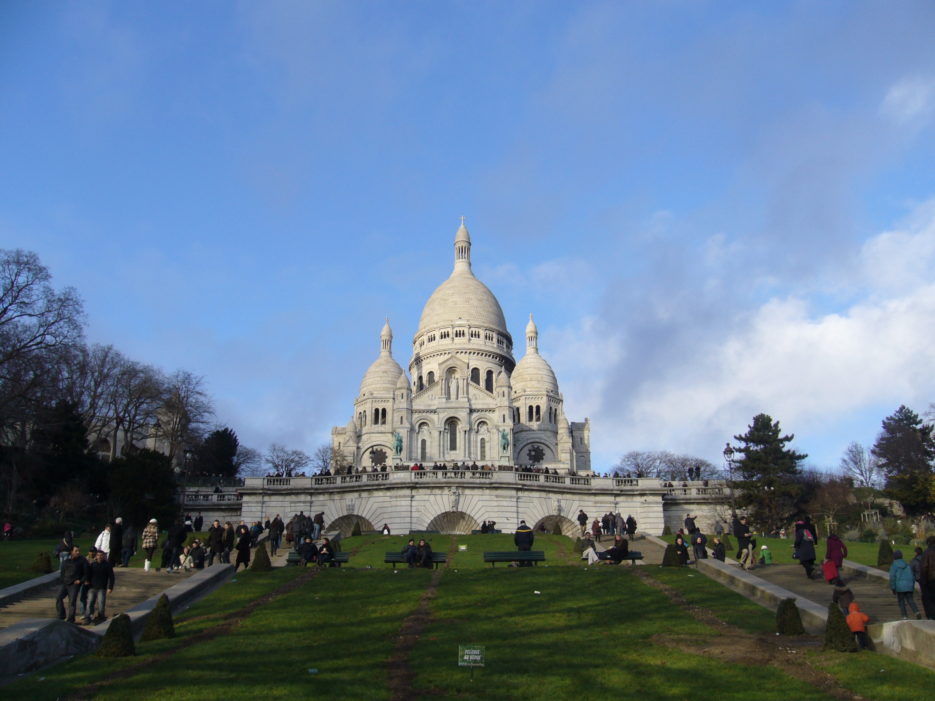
x=462 y=298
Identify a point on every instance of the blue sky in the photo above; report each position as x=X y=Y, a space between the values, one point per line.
x=713 y=209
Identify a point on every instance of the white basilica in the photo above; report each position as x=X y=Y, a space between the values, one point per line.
x=466 y=399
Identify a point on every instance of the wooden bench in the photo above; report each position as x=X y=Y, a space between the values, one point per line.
x=633 y=556
x=532 y=556
x=338 y=560
x=395 y=558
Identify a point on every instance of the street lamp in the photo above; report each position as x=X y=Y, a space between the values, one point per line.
x=729 y=459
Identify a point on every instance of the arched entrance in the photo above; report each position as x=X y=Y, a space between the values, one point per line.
x=345 y=525
x=456 y=522
x=548 y=523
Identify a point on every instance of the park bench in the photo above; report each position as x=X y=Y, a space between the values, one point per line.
x=480 y=532
x=532 y=556
x=340 y=559
x=633 y=556
x=395 y=558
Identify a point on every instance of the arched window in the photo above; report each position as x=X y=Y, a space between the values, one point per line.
x=529 y=413
x=383 y=416
x=483 y=448
x=376 y=416
x=431 y=378
x=452 y=426
x=422 y=450
x=488 y=381
x=538 y=413
x=475 y=376
x=420 y=384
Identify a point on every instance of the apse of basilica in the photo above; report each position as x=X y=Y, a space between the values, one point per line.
x=465 y=400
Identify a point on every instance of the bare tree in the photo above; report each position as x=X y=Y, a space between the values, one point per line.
x=323 y=457
x=661 y=464
x=138 y=392
x=184 y=413
x=284 y=462
x=862 y=466
x=248 y=462
x=640 y=463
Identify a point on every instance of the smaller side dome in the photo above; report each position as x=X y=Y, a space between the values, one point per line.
x=381 y=377
x=502 y=380
x=402 y=382
x=533 y=373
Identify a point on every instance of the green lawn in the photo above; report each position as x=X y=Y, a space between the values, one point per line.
x=560 y=631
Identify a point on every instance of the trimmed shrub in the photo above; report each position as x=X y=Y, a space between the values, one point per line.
x=118 y=640
x=261 y=561
x=579 y=545
x=671 y=557
x=837 y=634
x=788 y=620
x=356 y=529
x=666 y=530
x=42 y=564
x=885 y=554
x=159 y=625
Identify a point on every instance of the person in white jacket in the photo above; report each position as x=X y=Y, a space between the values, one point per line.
x=103 y=541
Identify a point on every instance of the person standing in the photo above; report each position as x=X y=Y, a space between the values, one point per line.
x=116 y=542
x=128 y=546
x=582 y=521
x=103 y=541
x=276 y=528
x=524 y=538
x=318 y=525
x=215 y=542
x=229 y=537
x=902 y=584
x=699 y=546
x=74 y=572
x=631 y=526
x=100 y=580
x=198 y=522
x=150 y=541
x=690 y=526
x=744 y=543
x=835 y=550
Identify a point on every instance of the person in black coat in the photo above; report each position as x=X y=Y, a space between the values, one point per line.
x=308 y=551
x=523 y=538
x=326 y=553
x=74 y=573
x=243 y=551
x=215 y=542
x=410 y=553
x=805 y=548
x=100 y=581
x=681 y=550
x=116 y=542
x=423 y=554
x=719 y=552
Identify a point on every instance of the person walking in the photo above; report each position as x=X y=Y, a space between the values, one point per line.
x=805 y=547
x=74 y=572
x=100 y=581
x=243 y=551
x=903 y=584
x=127 y=545
x=150 y=541
x=229 y=539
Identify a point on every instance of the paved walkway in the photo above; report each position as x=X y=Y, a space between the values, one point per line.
x=875 y=599
x=133 y=586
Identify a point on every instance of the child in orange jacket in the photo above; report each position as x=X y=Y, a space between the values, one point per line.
x=857 y=622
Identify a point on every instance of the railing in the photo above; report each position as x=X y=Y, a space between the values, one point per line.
x=498 y=477
x=224 y=497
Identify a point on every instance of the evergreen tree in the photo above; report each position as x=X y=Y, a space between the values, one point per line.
x=217 y=453
x=885 y=554
x=906 y=453
x=788 y=619
x=771 y=487
x=838 y=635
x=159 y=625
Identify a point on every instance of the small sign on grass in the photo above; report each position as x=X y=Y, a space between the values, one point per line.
x=470 y=655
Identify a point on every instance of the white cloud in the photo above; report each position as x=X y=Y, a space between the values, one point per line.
x=910 y=100
x=782 y=358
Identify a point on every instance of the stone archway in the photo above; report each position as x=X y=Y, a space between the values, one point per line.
x=453 y=522
x=345 y=525
x=548 y=523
